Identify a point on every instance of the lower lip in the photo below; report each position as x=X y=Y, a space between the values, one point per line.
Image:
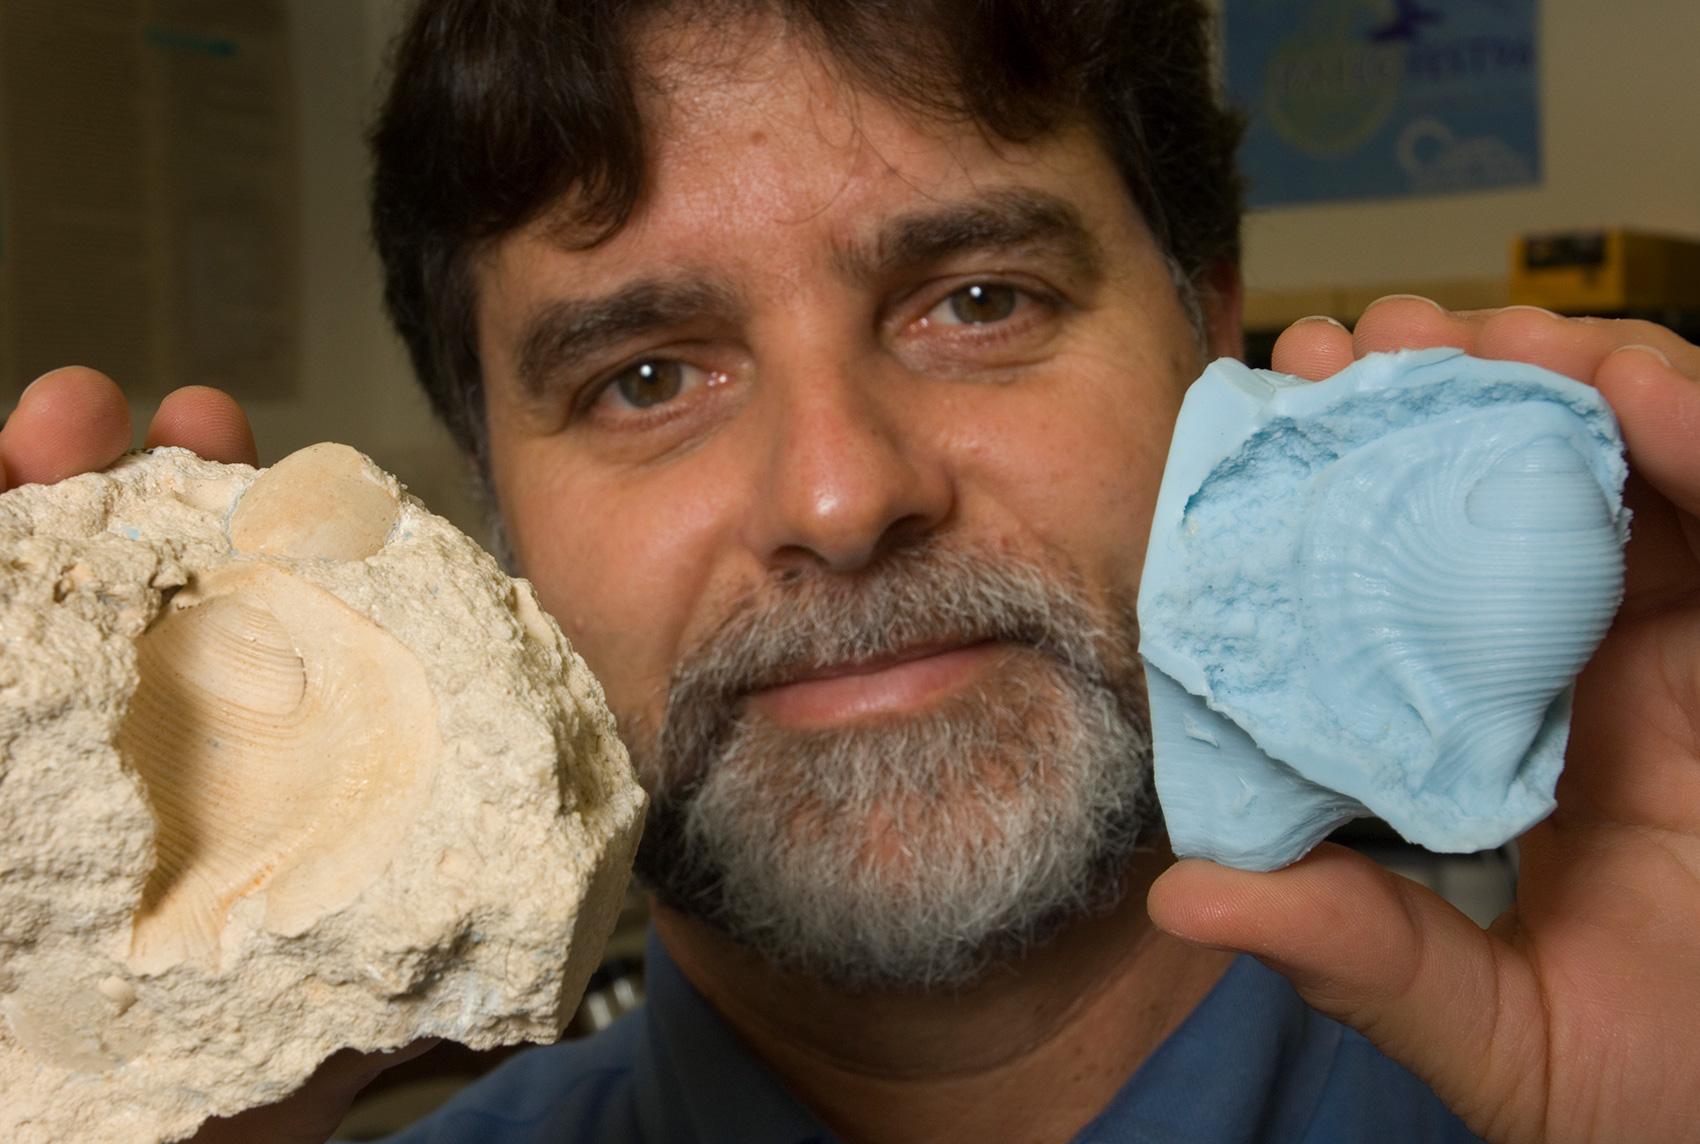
x=899 y=689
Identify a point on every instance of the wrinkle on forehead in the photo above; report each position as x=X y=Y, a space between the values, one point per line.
x=694 y=74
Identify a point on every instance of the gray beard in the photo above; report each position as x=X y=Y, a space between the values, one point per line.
x=913 y=852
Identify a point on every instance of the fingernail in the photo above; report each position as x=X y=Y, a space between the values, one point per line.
x=1406 y=298
x=1654 y=350
x=1536 y=309
x=1335 y=322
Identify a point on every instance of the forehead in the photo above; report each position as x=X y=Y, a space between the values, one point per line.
x=758 y=144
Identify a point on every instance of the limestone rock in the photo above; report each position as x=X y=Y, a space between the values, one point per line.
x=286 y=764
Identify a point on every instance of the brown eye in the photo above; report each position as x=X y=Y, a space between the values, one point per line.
x=982 y=302
x=649 y=383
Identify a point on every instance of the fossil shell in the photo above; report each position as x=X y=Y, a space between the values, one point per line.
x=322 y=501
x=281 y=736
x=286 y=764
x=1371 y=595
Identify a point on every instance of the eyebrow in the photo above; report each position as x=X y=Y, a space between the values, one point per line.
x=1006 y=220
x=571 y=330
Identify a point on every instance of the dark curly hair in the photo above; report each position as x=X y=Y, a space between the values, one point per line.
x=500 y=107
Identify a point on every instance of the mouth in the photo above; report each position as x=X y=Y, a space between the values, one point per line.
x=885 y=687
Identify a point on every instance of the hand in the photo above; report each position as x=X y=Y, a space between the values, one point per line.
x=75 y=420
x=312 y=1112
x=1577 y=1015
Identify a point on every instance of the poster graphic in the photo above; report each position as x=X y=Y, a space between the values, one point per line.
x=1358 y=99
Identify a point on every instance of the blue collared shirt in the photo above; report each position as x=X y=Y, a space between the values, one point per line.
x=1253 y=1064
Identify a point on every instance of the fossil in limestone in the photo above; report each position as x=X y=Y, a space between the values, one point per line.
x=286 y=765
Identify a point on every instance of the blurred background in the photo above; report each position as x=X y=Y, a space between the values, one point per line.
x=182 y=200
x=1478 y=152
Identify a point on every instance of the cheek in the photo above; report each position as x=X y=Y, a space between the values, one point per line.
x=620 y=564
x=1075 y=468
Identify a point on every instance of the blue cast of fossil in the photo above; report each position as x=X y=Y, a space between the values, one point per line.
x=1371 y=595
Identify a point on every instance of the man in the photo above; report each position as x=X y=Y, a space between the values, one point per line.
x=824 y=381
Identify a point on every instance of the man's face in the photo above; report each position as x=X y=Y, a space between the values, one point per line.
x=844 y=374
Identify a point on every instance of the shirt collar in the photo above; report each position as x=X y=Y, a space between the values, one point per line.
x=700 y=1082
x=1247 y=1066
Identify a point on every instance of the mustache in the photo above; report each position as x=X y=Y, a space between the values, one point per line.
x=806 y=621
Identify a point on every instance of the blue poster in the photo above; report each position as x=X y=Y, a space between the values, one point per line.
x=1355 y=99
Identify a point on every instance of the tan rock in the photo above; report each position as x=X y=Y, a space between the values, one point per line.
x=286 y=764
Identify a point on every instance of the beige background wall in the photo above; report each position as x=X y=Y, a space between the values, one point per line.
x=1620 y=98
x=356 y=385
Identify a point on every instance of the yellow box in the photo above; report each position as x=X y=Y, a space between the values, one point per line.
x=1605 y=271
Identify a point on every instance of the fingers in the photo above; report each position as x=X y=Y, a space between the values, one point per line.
x=312 y=1112
x=1574 y=347
x=1388 y=958
x=70 y=421
x=207 y=422
x=75 y=420
x=1313 y=348
x=1407 y=322
x=1650 y=376
x=1658 y=409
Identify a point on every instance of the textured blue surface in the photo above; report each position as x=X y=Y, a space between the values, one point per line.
x=1371 y=595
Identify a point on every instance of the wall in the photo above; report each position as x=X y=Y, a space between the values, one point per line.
x=1621 y=145
x=356 y=384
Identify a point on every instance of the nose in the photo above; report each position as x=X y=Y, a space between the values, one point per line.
x=847 y=472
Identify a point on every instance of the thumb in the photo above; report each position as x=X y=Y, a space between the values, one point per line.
x=1455 y=1005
